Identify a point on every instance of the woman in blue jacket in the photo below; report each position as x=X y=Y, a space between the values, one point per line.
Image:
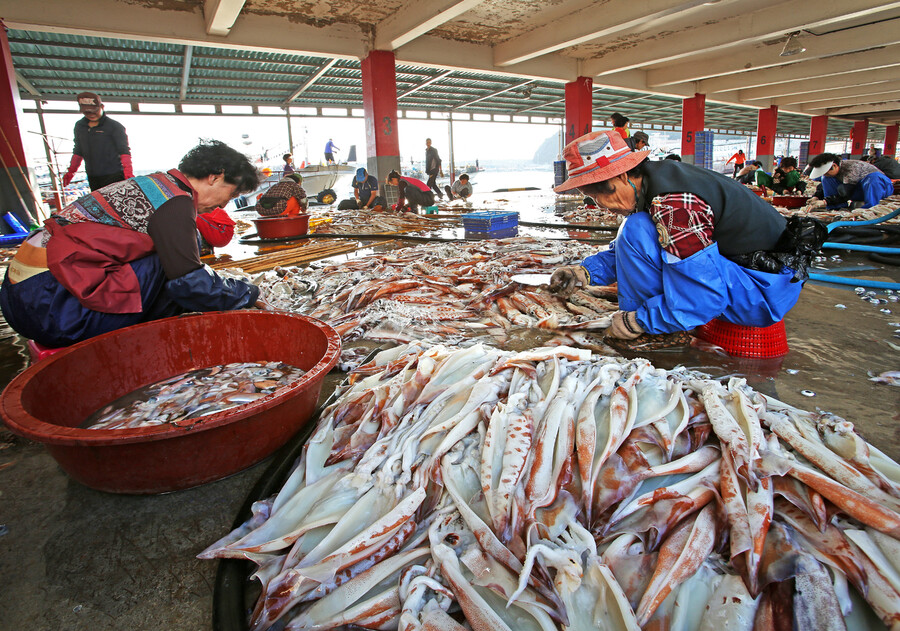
x=695 y=246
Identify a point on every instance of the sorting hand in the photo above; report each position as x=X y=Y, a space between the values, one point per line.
x=624 y=326
x=565 y=279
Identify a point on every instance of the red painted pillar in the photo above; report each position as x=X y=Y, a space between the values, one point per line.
x=818 y=131
x=890 y=140
x=693 y=113
x=14 y=188
x=379 y=87
x=858 y=137
x=579 y=107
x=765 y=137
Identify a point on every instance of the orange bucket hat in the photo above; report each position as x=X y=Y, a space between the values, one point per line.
x=596 y=157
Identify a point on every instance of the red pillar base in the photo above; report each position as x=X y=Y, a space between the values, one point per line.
x=765 y=137
x=890 y=140
x=818 y=131
x=579 y=107
x=380 y=105
x=858 y=138
x=693 y=113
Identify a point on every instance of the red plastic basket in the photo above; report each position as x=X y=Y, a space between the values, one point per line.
x=745 y=341
x=37 y=352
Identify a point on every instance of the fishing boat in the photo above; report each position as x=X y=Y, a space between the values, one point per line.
x=317 y=178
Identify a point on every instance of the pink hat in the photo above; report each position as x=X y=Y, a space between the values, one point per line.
x=596 y=157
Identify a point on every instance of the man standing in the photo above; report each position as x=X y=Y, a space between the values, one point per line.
x=101 y=143
x=739 y=160
x=330 y=148
x=433 y=167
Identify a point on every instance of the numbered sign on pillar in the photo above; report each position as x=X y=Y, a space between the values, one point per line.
x=687 y=142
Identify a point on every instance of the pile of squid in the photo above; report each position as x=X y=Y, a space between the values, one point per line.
x=473 y=488
x=442 y=292
x=885 y=207
x=593 y=215
x=371 y=222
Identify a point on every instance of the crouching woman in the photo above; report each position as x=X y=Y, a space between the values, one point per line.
x=695 y=246
x=128 y=253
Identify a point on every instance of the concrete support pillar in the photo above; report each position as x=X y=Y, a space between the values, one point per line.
x=765 y=137
x=379 y=87
x=287 y=115
x=15 y=190
x=693 y=112
x=579 y=107
x=859 y=135
x=890 y=140
x=818 y=131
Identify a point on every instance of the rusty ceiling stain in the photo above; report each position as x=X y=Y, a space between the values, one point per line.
x=320 y=13
x=168 y=5
x=493 y=21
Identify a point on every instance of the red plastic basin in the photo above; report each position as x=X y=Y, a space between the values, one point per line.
x=789 y=201
x=279 y=227
x=48 y=401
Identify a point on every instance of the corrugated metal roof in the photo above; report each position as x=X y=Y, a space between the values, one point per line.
x=58 y=66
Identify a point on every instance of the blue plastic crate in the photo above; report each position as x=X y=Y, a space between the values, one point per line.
x=490 y=221
x=494 y=234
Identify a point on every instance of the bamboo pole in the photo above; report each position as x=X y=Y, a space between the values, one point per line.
x=294 y=256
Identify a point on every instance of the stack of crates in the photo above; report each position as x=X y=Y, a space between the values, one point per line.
x=703 y=149
x=492 y=224
x=804 y=155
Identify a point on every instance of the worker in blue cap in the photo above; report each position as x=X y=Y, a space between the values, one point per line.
x=365 y=189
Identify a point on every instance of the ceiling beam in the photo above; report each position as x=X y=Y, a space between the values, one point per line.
x=309 y=82
x=424 y=84
x=220 y=15
x=824 y=99
x=859 y=103
x=487 y=96
x=816 y=69
x=253 y=32
x=846 y=51
x=885 y=106
x=415 y=18
x=186 y=71
x=822 y=84
x=22 y=81
x=582 y=25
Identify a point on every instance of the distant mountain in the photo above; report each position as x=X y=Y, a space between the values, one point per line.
x=548 y=152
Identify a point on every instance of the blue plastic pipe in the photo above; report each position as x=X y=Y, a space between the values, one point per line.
x=858 y=282
x=14 y=223
x=862 y=248
x=868 y=222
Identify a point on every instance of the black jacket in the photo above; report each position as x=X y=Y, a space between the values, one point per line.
x=888 y=166
x=743 y=221
x=101 y=146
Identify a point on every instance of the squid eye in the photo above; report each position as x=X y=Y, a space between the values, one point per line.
x=451 y=539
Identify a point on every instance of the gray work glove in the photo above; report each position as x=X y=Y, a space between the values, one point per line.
x=624 y=326
x=566 y=279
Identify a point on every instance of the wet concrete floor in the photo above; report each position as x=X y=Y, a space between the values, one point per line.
x=76 y=559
